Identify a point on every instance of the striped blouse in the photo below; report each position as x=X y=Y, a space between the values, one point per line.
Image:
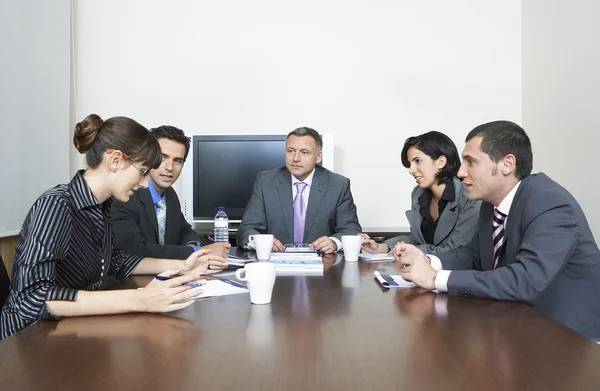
x=66 y=244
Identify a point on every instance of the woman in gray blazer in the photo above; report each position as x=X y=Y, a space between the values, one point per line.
x=441 y=217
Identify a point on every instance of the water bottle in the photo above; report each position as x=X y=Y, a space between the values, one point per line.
x=221 y=225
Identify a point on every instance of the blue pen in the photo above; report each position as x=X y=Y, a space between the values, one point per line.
x=190 y=283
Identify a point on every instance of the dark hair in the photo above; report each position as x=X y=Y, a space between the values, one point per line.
x=435 y=144
x=93 y=136
x=174 y=134
x=304 y=131
x=501 y=138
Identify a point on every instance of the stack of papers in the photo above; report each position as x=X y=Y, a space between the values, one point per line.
x=222 y=287
x=379 y=257
x=392 y=281
x=297 y=263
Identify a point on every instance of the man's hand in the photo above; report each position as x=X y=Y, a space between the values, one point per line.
x=277 y=246
x=324 y=244
x=201 y=262
x=221 y=248
x=371 y=246
x=401 y=249
x=417 y=269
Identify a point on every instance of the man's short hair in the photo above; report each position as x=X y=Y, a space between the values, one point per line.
x=304 y=131
x=501 y=138
x=174 y=134
x=435 y=144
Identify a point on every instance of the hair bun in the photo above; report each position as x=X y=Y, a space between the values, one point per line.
x=86 y=132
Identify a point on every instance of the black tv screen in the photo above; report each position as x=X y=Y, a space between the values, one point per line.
x=225 y=168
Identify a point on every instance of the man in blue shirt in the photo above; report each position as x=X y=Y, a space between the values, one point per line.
x=151 y=223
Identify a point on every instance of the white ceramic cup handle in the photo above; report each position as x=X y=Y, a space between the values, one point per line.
x=238 y=274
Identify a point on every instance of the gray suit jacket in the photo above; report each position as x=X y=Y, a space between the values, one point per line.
x=456 y=225
x=549 y=261
x=330 y=212
x=136 y=227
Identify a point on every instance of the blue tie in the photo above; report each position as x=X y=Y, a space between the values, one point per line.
x=161 y=217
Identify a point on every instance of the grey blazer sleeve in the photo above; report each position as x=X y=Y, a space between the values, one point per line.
x=546 y=245
x=130 y=238
x=254 y=220
x=463 y=231
x=346 y=217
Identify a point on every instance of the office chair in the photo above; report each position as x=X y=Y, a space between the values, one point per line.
x=4 y=283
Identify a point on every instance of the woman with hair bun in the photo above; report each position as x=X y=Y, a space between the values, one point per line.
x=442 y=217
x=66 y=246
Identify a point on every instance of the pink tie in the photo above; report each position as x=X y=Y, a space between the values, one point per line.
x=498 y=235
x=299 y=214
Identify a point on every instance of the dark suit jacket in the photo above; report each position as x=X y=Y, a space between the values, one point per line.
x=456 y=226
x=136 y=227
x=549 y=261
x=330 y=212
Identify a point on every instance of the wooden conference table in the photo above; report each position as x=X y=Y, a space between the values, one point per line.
x=336 y=331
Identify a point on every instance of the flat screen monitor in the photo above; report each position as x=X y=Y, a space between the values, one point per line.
x=225 y=168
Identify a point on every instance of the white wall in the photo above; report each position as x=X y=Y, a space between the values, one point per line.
x=371 y=73
x=34 y=104
x=561 y=93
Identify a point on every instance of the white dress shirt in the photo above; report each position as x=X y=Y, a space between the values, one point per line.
x=441 y=280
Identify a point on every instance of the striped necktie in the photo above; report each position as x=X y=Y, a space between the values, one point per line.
x=161 y=218
x=498 y=234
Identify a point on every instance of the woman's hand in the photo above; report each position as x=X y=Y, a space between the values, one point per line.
x=371 y=246
x=169 y=295
x=202 y=262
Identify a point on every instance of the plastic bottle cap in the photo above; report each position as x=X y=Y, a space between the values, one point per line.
x=221 y=209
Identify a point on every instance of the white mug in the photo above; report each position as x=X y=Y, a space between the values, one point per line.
x=263 y=244
x=260 y=277
x=351 y=246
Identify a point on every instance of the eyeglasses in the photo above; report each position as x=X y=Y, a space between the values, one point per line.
x=143 y=171
x=296 y=245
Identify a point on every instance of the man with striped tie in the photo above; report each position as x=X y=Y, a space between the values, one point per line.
x=533 y=245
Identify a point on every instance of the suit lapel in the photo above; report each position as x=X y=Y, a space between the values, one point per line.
x=414 y=220
x=486 y=241
x=284 y=191
x=171 y=234
x=149 y=209
x=449 y=216
x=318 y=189
x=445 y=224
x=509 y=252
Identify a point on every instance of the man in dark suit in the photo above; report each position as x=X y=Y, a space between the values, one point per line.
x=151 y=223
x=534 y=243
x=301 y=202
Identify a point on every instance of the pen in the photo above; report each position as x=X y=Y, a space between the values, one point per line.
x=190 y=283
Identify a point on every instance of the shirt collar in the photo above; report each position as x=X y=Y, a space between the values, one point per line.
x=308 y=179
x=83 y=196
x=449 y=193
x=506 y=203
x=154 y=193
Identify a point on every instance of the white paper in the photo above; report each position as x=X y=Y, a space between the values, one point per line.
x=214 y=288
x=378 y=257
